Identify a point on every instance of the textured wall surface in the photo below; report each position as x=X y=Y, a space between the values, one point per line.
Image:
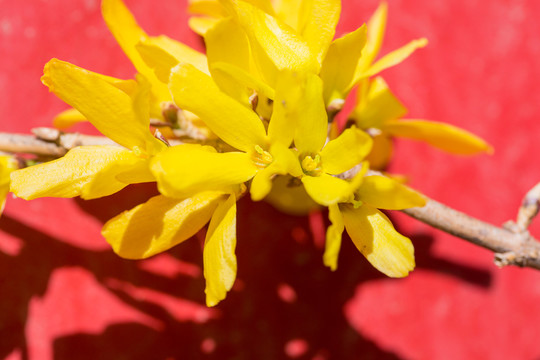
x=66 y=295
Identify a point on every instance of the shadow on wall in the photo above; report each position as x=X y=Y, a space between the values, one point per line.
x=284 y=305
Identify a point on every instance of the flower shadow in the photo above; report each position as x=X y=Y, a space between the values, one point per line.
x=285 y=303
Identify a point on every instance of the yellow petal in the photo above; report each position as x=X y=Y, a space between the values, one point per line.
x=264 y=5
x=68 y=118
x=284 y=162
x=4 y=190
x=206 y=7
x=158 y=59
x=227 y=43
x=159 y=224
x=128 y=34
x=393 y=58
x=138 y=172
x=346 y=151
x=287 y=159
x=241 y=77
x=125 y=29
x=381 y=152
x=312 y=120
x=110 y=179
x=274 y=41
x=442 y=136
x=288 y=12
x=262 y=183
x=128 y=86
x=140 y=104
x=200 y=25
x=162 y=53
x=333 y=237
x=384 y=193
x=212 y=12
x=375 y=34
x=113 y=112
x=317 y=24
x=327 y=190
x=88 y=170
x=233 y=123
x=340 y=64
x=377 y=106
x=374 y=236
x=184 y=170
x=218 y=255
x=287 y=107
x=290 y=197
x=8 y=164
x=181 y=52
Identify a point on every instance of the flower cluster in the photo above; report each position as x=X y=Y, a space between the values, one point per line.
x=254 y=115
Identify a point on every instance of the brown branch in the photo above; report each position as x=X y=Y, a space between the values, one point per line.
x=47 y=142
x=529 y=208
x=510 y=247
x=51 y=142
x=512 y=243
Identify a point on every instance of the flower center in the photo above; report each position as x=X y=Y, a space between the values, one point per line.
x=312 y=165
x=261 y=157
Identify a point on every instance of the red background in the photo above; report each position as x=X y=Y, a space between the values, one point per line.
x=65 y=295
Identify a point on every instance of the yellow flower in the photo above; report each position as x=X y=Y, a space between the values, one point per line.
x=274 y=44
x=277 y=48
x=163 y=222
x=378 y=111
x=121 y=110
x=271 y=76
x=118 y=109
x=370 y=230
x=182 y=170
x=298 y=35
x=313 y=20
x=134 y=42
x=352 y=204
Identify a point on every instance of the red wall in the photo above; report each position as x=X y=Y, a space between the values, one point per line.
x=65 y=295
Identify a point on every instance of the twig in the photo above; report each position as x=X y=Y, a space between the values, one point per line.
x=510 y=247
x=512 y=243
x=529 y=208
x=47 y=142
x=51 y=142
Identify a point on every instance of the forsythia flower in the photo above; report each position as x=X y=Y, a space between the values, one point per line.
x=185 y=170
x=121 y=109
x=163 y=222
x=379 y=111
x=95 y=171
x=352 y=204
x=268 y=87
x=133 y=40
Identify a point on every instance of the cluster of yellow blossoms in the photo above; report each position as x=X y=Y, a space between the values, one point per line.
x=255 y=114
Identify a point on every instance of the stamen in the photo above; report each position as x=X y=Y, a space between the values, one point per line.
x=261 y=158
x=312 y=165
x=139 y=152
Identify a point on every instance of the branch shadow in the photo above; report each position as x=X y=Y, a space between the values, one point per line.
x=285 y=303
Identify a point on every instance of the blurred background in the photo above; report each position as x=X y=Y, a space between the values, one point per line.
x=66 y=295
